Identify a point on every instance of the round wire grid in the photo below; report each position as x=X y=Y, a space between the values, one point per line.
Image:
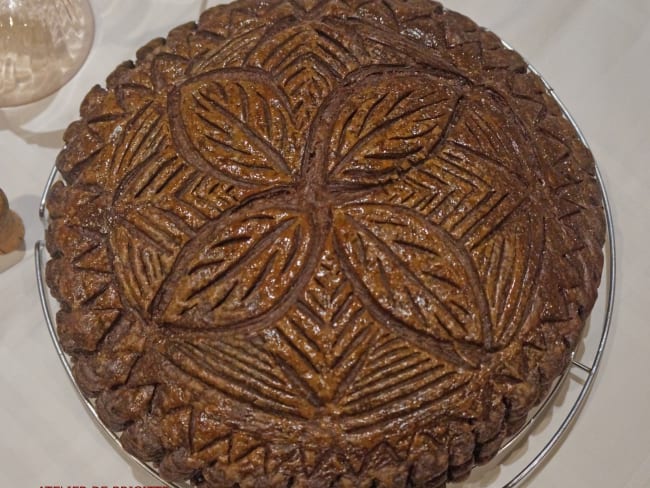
x=526 y=450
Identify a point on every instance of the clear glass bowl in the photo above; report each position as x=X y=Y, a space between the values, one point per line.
x=43 y=44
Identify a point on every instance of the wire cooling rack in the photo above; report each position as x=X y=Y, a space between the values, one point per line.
x=509 y=468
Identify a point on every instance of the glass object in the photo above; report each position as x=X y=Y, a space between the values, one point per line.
x=43 y=43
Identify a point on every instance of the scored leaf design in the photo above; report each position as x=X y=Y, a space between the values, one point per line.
x=395 y=376
x=507 y=263
x=414 y=273
x=237 y=123
x=398 y=121
x=143 y=254
x=237 y=268
x=241 y=369
x=323 y=358
x=308 y=61
x=145 y=136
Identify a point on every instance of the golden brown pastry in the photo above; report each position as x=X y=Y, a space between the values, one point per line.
x=314 y=244
x=12 y=231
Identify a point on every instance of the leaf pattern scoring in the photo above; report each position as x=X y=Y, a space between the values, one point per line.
x=237 y=268
x=238 y=124
x=413 y=271
x=399 y=119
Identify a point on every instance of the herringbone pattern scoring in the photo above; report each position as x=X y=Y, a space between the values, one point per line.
x=332 y=243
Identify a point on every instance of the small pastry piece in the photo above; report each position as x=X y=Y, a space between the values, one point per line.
x=12 y=230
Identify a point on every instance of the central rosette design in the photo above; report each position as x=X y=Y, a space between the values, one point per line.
x=312 y=187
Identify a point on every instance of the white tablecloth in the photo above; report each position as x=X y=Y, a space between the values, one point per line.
x=596 y=54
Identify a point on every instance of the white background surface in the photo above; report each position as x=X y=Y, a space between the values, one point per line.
x=595 y=53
